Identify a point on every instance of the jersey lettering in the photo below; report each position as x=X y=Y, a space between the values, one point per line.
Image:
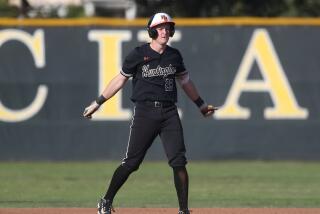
x=159 y=71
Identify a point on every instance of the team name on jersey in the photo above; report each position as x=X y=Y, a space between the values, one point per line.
x=158 y=71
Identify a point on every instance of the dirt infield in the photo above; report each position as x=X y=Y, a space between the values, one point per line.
x=162 y=211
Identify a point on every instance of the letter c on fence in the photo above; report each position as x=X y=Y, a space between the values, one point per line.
x=35 y=44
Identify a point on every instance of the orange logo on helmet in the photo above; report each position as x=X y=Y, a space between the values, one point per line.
x=164 y=17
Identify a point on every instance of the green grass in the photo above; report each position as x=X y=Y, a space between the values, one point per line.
x=212 y=184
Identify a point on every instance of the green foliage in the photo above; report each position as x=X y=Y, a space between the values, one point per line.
x=6 y=10
x=201 y=8
x=307 y=7
x=222 y=8
x=75 y=11
x=212 y=184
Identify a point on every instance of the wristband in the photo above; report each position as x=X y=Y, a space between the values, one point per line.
x=100 y=100
x=199 y=102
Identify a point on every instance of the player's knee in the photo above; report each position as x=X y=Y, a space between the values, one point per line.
x=178 y=161
x=131 y=167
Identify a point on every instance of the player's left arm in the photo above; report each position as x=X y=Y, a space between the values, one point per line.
x=192 y=92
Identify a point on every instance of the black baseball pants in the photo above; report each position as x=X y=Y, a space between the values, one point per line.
x=151 y=119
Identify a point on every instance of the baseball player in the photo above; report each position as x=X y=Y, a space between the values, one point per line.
x=154 y=68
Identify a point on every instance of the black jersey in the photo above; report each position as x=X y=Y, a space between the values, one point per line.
x=153 y=73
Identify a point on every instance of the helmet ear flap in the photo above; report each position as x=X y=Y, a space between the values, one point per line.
x=172 y=30
x=153 y=34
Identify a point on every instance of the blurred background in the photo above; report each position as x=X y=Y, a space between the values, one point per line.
x=131 y=9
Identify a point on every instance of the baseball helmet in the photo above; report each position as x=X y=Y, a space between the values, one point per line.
x=157 y=19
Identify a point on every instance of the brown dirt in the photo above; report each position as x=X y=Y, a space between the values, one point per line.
x=162 y=211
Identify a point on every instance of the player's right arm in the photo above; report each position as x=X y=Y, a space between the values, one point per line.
x=127 y=71
x=112 y=88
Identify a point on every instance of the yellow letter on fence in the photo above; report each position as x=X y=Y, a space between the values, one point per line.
x=274 y=81
x=109 y=66
x=35 y=43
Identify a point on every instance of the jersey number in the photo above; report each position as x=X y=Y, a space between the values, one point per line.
x=168 y=85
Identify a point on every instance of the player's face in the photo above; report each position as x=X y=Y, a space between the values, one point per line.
x=163 y=33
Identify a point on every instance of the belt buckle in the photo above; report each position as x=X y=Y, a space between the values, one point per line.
x=157 y=104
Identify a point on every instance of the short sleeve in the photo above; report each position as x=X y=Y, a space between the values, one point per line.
x=180 y=68
x=129 y=67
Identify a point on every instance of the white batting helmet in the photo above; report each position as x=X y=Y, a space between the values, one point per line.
x=157 y=19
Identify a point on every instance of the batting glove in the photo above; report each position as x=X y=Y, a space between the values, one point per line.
x=91 y=109
x=208 y=110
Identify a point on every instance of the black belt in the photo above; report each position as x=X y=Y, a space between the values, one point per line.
x=157 y=104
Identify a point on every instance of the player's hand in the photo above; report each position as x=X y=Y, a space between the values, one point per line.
x=90 y=110
x=208 y=110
